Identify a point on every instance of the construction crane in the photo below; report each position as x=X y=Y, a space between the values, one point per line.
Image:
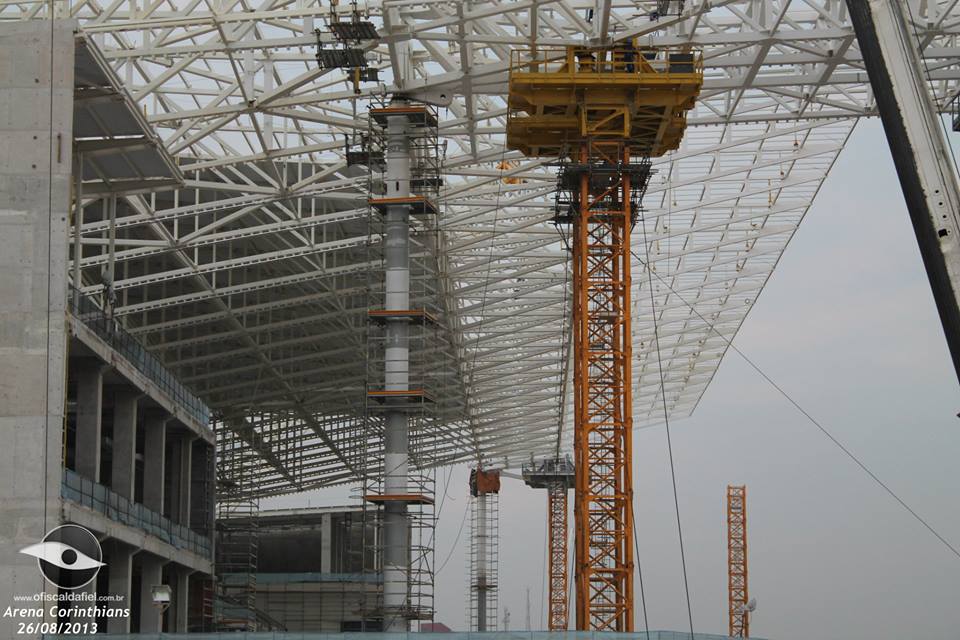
x=556 y=475
x=603 y=112
x=737 y=587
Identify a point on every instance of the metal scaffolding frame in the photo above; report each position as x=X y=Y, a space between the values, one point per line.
x=407 y=357
x=483 y=559
x=248 y=281
x=237 y=539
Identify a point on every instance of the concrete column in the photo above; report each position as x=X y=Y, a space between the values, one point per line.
x=326 y=543
x=396 y=543
x=154 y=457
x=36 y=120
x=89 y=418
x=124 y=442
x=186 y=466
x=181 y=603
x=151 y=574
x=91 y=589
x=172 y=491
x=120 y=566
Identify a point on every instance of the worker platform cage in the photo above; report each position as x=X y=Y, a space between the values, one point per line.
x=238 y=509
x=605 y=167
x=428 y=375
x=623 y=92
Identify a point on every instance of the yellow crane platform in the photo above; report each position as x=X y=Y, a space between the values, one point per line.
x=625 y=93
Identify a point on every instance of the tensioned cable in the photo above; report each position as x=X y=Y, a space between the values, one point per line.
x=666 y=420
x=443 y=500
x=561 y=409
x=643 y=598
x=546 y=561
x=806 y=414
x=456 y=540
x=486 y=279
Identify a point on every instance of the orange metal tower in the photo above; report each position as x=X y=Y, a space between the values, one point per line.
x=556 y=475
x=559 y=615
x=602 y=401
x=737 y=561
x=604 y=111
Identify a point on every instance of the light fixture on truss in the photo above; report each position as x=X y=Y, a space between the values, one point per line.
x=667 y=8
x=351 y=34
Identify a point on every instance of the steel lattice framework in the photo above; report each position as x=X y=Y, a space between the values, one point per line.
x=249 y=280
x=559 y=611
x=603 y=453
x=737 y=586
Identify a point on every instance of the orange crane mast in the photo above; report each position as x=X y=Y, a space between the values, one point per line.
x=556 y=475
x=737 y=586
x=603 y=112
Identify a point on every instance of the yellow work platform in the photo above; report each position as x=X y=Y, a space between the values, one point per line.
x=578 y=94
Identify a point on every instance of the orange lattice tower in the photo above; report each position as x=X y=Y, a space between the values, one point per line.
x=604 y=112
x=556 y=475
x=737 y=561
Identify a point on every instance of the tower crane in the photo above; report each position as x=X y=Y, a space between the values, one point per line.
x=602 y=112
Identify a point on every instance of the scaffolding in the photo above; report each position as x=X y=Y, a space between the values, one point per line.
x=322 y=587
x=237 y=537
x=405 y=372
x=483 y=569
x=203 y=513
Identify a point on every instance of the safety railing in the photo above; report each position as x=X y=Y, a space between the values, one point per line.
x=86 y=492
x=110 y=331
x=625 y=59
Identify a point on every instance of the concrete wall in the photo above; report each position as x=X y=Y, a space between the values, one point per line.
x=36 y=119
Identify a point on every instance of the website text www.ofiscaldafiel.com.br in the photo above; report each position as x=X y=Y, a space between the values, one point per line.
x=69 y=558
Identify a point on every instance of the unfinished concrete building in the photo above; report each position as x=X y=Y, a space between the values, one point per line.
x=99 y=432
x=249 y=251
x=316 y=570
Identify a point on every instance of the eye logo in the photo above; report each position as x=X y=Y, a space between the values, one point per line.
x=69 y=556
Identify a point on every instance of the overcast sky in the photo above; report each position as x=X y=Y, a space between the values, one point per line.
x=848 y=327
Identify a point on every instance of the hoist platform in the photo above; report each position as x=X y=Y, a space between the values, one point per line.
x=626 y=92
